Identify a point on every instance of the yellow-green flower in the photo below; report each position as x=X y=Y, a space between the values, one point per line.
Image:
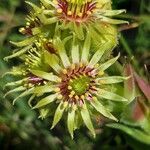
x=75 y=82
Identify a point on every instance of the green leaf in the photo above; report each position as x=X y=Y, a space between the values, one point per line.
x=70 y=121
x=111 y=96
x=86 y=118
x=100 y=108
x=133 y=132
x=58 y=113
x=45 y=101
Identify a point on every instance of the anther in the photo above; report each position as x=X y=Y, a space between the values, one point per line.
x=57 y=89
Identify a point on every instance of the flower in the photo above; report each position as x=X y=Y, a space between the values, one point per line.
x=75 y=83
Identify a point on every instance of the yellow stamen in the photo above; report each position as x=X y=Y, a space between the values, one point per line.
x=59 y=96
x=69 y=87
x=77 y=97
x=64 y=71
x=69 y=13
x=101 y=73
x=59 y=10
x=57 y=89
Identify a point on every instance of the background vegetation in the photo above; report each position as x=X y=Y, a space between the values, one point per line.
x=19 y=126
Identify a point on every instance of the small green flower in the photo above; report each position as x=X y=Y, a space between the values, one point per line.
x=74 y=84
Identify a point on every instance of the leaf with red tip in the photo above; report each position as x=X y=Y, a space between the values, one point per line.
x=144 y=86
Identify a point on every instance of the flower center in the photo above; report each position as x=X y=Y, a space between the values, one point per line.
x=78 y=83
x=75 y=10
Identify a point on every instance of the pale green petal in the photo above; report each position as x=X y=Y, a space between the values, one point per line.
x=31 y=99
x=111 y=96
x=58 y=113
x=111 y=12
x=111 y=79
x=53 y=61
x=47 y=3
x=99 y=53
x=45 y=75
x=35 y=8
x=70 y=121
x=25 y=93
x=100 y=108
x=16 y=83
x=18 y=53
x=79 y=31
x=107 y=64
x=28 y=41
x=75 y=51
x=86 y=48
x=112 y=21
x=86 y=118
x=18 y=89
x=62 y=53
x=44 y=112
x=45 y=101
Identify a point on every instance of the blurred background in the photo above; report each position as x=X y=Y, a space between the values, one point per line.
x=20 y=127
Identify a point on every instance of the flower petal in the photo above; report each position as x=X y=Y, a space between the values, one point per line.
x=86 y=118
x=100 y=108
x=111 y=96
x=45 y=75
x=111 y=79
x=99 y=53
x=107 y=64
x=45 y=101
x=58 y=114
x=62 y=53
x=86 y=48
x=52 y=60
x=70 y=121
x=75 y=51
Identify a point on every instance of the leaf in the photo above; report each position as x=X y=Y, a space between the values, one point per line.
x=86 y=118
x=135 y=133
x=101 y=109
x=111 y=96
x=58 y=113
x=129 y=85
x=71 y=121
x=144 y=87
x=45 y=101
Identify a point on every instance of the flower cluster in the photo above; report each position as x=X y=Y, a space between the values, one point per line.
x=64 y=60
